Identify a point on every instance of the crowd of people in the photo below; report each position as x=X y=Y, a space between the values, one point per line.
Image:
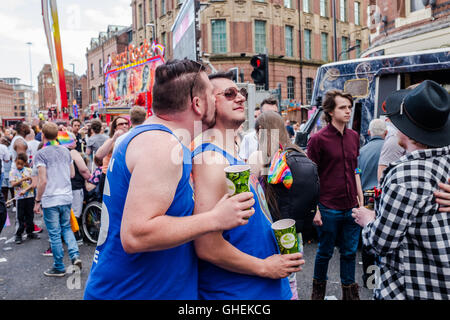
x=171 y=231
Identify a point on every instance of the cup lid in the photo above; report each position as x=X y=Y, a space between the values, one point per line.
x=283 y=224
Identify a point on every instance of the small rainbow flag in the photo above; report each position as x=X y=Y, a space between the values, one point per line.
x=279 y=170
x=64 y=139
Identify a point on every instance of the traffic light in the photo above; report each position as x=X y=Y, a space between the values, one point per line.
x=260 y=73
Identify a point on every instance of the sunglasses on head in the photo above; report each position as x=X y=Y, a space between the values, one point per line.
x=232 y=92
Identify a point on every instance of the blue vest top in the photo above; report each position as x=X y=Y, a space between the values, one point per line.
x=166 y=274
x=257 y=239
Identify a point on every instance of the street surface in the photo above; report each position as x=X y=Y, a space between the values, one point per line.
x=22 y=267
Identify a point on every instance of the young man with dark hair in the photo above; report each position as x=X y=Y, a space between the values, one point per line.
x=335 y=150
x=76 y=125
x=269 y=104
x=145 y=248
x=242 y=263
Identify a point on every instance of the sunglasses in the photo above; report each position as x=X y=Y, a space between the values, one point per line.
x=231 y=93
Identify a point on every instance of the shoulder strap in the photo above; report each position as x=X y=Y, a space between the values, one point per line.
x=212 y=147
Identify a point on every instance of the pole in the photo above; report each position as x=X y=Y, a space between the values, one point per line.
x=29 y=57
x=73 y=81
x=333 y=2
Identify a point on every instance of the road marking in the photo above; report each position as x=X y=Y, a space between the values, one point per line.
x=3 y=260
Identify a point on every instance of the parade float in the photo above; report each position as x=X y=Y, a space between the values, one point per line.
x=129 y=78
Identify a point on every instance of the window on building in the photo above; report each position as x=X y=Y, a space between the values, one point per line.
x=289 y=41
x=306 y=7
x=92 y=71
x=290 y=88
x=358 y=48
x=323 y=8
x=150 y=10
x=164 y=39
x=93 y=95
x=163 y=7
x=219 y=36
x=141 y=17
x=260 y=36
x=324 y=45
x=357 y=13
x=101 y=91
x=416 y=5
x=309 y=89
x=100 y=67
x=344 y=47
x=307 y=39
x=288 y=4
x=343 y=10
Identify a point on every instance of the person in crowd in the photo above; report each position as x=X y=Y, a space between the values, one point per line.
x=96 y=140
x=290 y=129
x=243 y=262
x=408 y=230
x=19 y=143
x=94 y=179
x=142 y=240
x=32 y=144
x=302 y=126
x=76 y=126
x=119 y=126
x=296 y=201
x=249 y=143
x=54 y=196
x=6 y=168
x=137 y=117
x=20 y=178
x=38 y=135
x=335 y=150
x=82 y=174
x=5 y=157
x=368 y=164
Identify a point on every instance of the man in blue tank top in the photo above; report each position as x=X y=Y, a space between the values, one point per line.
x=145 y=248
x=242 y=263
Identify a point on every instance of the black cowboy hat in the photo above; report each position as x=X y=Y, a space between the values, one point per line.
x=422 y=113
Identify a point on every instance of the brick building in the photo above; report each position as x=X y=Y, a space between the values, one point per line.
x=6 y=100
x=47 y=88
x=408 y=25
x=114 y=40
x=298 y=35
x=24 y=99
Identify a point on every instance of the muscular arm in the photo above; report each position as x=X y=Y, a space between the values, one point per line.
x=153 y=183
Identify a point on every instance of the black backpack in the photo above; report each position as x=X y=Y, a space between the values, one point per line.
x=300 y=201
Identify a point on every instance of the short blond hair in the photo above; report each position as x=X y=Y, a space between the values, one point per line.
x=50 y=131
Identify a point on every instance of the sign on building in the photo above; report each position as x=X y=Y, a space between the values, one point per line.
x=183 y=31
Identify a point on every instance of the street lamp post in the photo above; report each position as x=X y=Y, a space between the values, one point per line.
x=29 y=57
x=73 y=81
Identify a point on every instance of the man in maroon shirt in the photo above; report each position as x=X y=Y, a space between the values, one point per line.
x=335 y=150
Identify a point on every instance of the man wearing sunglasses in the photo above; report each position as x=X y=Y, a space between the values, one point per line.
x=145 y=248
x=242 y=263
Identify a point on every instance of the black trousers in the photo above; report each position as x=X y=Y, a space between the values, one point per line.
x=3 y=213
x=25 y=215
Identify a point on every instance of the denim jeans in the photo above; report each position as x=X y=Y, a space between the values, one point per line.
x=338 y=229
x=57 y=221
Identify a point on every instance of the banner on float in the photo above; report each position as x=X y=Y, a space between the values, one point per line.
x=127 y=82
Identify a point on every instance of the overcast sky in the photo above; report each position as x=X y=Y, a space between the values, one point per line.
x=79 y=21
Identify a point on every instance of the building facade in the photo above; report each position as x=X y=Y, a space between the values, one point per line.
x=408 y=26
x=297 y=35
x=115 y=40
x=6 y=100
x=25 y=104
x=47 y=89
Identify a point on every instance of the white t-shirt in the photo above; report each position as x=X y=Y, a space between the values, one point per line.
x=5 y=155
x=33 y=148
x=14 y=153
x=248 y=145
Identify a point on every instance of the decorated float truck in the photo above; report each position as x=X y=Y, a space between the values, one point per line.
x=370 y=81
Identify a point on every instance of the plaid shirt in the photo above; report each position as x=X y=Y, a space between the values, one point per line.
x=409 y=234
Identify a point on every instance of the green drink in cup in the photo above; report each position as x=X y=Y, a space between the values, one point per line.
x=287 y=238
x=237 y=178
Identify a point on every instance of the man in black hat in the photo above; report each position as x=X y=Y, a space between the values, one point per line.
x=408 y=231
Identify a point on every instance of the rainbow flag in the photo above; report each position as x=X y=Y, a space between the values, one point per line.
x=279 y=170
x=64 y=139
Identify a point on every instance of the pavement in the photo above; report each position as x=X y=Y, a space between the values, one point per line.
x=22 y=267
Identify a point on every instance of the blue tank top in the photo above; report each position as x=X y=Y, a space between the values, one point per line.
x=166 y=274
x=257 y=239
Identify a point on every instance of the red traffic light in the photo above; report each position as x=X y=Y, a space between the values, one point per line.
x=257 y=62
